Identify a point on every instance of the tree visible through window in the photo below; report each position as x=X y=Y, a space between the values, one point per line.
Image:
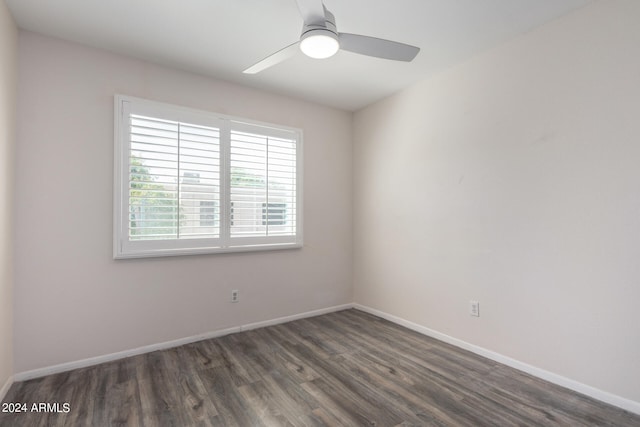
x=153 y=209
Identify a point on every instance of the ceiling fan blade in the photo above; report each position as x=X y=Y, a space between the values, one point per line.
x=276 y=58
x=379 y=48
x=312 y=12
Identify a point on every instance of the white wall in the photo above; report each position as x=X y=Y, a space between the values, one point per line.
x=72 y=300
x=8 y=61
x=514 y=179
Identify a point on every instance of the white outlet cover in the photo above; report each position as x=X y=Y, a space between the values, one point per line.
x=474 y=308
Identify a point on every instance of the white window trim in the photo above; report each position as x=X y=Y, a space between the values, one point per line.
x=124 y=248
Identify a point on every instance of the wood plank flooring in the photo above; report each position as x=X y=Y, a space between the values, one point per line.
x=341 y=369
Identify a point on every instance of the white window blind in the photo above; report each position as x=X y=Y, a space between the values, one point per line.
x=263 y=185
x=174 y=167
x=188 y=181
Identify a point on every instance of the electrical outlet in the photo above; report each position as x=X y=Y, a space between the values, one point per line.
x=474 y=308
x=235 y=295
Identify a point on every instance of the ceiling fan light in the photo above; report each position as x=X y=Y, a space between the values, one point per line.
x=319 y=44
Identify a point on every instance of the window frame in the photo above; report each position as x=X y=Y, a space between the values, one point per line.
x=124 y=247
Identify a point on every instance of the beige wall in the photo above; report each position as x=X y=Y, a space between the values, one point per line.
x=8 y=67
x=514 y=179
x=72 y=300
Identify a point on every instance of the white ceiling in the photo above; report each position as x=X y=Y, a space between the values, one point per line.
x=221 y=38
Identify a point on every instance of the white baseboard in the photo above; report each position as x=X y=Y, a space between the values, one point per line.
x=63 y=367
x=5 y=388
x=293 y=317
x=612 y=399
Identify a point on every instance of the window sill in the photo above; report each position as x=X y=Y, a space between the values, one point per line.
x=206 y=251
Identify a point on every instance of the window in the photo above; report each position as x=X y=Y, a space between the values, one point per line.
x=274 y=214
x=209 y=214
x=189 y=181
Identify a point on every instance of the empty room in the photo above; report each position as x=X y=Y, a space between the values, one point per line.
x=319 y=213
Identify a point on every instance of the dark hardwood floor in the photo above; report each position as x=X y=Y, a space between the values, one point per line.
x=342 y=369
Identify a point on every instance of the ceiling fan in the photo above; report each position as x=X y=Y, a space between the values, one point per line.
x=320 y=39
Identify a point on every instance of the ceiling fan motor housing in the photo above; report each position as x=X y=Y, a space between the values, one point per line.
x=320 y=41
